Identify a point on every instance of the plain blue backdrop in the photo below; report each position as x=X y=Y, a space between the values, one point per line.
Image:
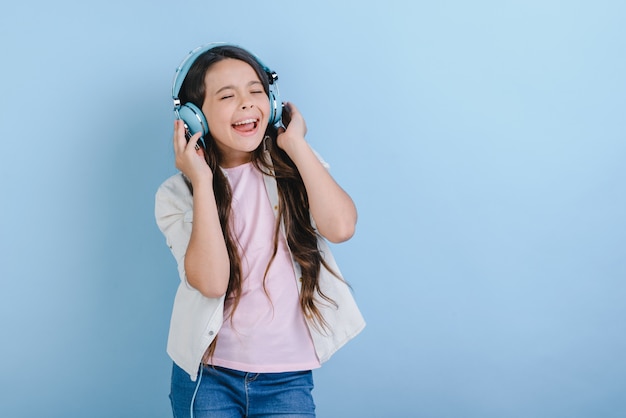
x=484 y=143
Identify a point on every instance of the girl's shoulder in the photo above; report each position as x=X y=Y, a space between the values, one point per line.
x=174 y=184
x=174 y=189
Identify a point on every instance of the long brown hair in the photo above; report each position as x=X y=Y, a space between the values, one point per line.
x=293 y=208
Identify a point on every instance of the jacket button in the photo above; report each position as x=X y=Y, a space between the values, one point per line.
x=211 y=333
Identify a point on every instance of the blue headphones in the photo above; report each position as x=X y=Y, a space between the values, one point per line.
x=192 y=116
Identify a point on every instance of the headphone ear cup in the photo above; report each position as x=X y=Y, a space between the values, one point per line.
x=194 y=119
x=276 y=108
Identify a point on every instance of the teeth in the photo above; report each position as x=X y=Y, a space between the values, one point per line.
x=244 y=122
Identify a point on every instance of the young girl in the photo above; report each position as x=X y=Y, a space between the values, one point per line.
x=261 y=301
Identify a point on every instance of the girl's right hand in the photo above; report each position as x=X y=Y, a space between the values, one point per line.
x=189 y=156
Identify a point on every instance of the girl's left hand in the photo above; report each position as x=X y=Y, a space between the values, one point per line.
x=296 y=126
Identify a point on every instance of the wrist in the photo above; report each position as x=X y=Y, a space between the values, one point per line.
x=201 y=181
x=294 y=145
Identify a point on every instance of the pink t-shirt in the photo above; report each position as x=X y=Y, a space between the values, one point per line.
x=268 y=332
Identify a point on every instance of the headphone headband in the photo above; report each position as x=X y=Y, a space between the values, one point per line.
x=185 y=65
x=191 y=115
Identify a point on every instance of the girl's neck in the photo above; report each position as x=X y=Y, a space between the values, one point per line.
x=236 y=167
x=235 y=160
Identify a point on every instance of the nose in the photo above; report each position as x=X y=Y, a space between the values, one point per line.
x=246 y=102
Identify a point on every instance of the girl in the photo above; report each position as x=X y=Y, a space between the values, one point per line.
x=261 y=301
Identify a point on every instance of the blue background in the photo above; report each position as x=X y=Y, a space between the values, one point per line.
x=484 y=143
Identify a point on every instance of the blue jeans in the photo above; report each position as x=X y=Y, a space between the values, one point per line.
x=225 y=393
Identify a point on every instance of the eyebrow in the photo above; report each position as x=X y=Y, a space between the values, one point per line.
x=231 y=87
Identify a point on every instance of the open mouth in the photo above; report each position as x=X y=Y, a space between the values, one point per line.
x=247 y=125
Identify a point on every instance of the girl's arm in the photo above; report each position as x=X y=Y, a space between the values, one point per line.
x=207 y=265
x=332 y=208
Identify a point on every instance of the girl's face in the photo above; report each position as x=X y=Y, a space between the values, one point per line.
x=236 y=108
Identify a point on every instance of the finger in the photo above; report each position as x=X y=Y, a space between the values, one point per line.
x=179 y=135
x=291 y=108
x=193 y=141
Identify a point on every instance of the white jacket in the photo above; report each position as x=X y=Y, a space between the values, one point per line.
x=197 y=319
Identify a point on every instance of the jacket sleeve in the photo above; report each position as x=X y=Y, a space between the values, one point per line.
x=173 y=211
x=195 y=319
